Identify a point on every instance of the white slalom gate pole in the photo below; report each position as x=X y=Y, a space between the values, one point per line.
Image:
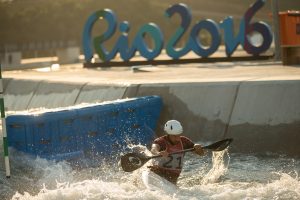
x=5 y=143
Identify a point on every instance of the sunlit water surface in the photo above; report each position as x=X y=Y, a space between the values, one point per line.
x=221 y=175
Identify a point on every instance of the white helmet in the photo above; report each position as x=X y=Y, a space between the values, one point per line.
x=173 y=127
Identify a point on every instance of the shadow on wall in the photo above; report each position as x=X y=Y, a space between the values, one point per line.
x=196 y=127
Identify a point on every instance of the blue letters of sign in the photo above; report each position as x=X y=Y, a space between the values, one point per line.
x=127 y=51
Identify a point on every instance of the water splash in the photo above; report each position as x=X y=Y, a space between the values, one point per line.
x=208 y=177
x=203 y=170
x=220 y=163
x=87 y=189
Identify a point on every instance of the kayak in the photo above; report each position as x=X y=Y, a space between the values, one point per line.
x=154 y=182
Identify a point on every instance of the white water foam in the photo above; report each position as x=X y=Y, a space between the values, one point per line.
x=219 y=167
x=208 y=177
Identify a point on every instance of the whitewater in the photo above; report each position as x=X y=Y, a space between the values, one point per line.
x=222 y=175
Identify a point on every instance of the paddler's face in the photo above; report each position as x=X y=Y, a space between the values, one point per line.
x=174 y=138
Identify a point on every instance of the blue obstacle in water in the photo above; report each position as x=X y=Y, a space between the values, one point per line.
x=103 y=129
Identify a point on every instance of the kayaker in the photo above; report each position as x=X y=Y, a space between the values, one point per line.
x=170 y=166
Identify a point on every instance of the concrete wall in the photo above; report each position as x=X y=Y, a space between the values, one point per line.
x=11 y=60
x=266 y=117
x=261 y=116
x=18 y=94
x=29 y=94
x=203 y=109
x=68 y=55
x=99 y=93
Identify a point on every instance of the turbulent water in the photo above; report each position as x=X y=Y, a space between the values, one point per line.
x=215 y=176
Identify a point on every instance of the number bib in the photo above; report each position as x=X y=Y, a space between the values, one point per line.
x=174 y=161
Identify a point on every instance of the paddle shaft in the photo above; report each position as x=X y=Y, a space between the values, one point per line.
x=128 y=161
x=211 y=146
x=177 y=152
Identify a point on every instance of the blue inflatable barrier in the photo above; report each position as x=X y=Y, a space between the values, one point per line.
x=98 y=129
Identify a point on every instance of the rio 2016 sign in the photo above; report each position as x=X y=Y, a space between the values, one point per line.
x=126 y=51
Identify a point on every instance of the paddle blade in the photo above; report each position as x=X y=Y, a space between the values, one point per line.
x=220 y=145
x=132 y=161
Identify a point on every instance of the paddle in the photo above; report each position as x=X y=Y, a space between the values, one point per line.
x=133 y=161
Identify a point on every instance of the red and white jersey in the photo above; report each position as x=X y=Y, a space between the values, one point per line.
x=173 y=162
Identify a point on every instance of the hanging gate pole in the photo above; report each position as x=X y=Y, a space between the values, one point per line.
x=5 y=144
x=275 y=15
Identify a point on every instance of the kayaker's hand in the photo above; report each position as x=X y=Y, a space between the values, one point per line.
x=164 y=154
x=199 y=150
